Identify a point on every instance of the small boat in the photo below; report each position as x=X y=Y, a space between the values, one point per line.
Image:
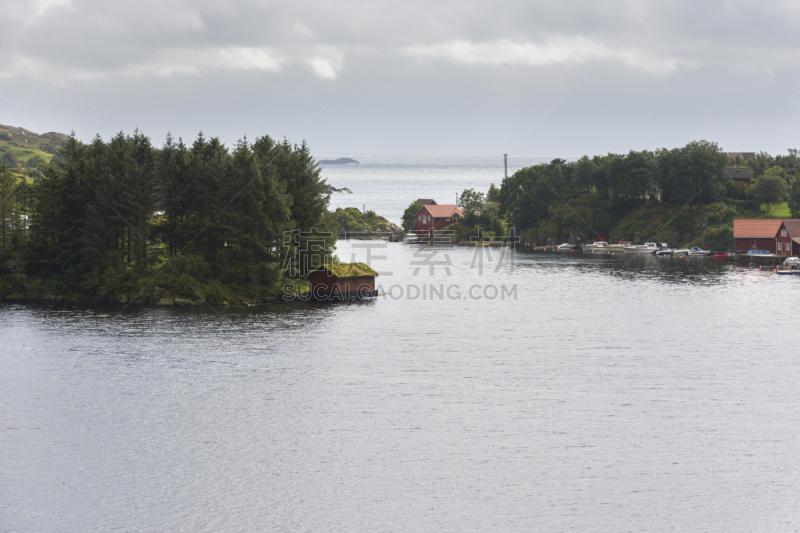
x=646 y=248
x=619 y=247
x=680 y=251
x=665 y=251
x=410 y=238
x=597 y=247
x=696 y=251
x=758 y=252
x=793 y=262
x=566 y=247
x=720 y=256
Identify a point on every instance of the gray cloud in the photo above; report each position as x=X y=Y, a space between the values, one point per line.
x=462 y=77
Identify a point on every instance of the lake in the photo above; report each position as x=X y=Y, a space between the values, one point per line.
x=543 y=392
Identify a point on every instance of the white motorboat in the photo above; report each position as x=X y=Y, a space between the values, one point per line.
x=619 y=247
x=597 y=247
x=696 y=251
x=410 y=238
x=646 y=248
x=680 y=251
x=793 y=262
x=665 y=251
x=566 y=247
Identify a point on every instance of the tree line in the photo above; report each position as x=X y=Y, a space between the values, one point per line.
x=690 y=175
x=106 y=215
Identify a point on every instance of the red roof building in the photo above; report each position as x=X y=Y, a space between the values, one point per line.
x=436 y=217
x=740 y=175
x=426 y=201
x=781 y=237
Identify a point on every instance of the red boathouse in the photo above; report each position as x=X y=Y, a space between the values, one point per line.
x=436 y=217
x=342 y=281
x=781 y=237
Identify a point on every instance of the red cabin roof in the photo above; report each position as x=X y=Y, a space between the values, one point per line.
x=763 y=228
x=443 y=211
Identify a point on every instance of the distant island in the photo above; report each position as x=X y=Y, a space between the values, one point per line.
x=343 y=190
x=340 y=161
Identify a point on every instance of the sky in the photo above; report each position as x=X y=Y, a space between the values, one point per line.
x=411 y=77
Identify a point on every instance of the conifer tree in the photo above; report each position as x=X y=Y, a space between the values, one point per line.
x=8 y=185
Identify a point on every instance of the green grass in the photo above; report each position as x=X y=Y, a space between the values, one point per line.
x=23 y=154
x=24 y=145
x=776 y=210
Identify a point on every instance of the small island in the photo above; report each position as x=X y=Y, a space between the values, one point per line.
x=340 y=161
x=333 y=190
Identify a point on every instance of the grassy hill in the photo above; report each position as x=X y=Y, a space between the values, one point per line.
x=23 y=149
x=776 y=211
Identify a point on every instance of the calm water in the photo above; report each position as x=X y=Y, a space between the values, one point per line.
x=653 y=395
x=387 y=185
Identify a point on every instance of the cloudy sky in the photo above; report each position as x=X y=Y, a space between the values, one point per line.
x=412 y=77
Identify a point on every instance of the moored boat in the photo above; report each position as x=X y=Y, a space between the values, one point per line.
x=720 y=256
x=646 y=248
x=696 y=251
x=597 y=247
x=567 y=247
x=680 y=251
x=410 y=238
x=619 y=247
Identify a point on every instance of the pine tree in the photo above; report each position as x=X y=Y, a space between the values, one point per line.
x=8 y=185
x=46 y=231
x=71 y=165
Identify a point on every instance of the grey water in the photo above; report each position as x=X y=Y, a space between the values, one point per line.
x=532 y=392
x=387 y=185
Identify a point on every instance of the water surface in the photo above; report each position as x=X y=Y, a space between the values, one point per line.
x=648 y=395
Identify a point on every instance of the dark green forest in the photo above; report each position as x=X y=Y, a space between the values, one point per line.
x=125 y=221
x=680 y=194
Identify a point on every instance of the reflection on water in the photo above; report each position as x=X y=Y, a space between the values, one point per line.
x=613 y=393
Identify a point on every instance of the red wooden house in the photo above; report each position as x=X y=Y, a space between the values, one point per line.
x=436 y=217
x=342 y=281
x=781 y=237
x=740 y=175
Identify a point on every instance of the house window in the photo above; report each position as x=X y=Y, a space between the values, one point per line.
x=780 y=247
x=783 y=233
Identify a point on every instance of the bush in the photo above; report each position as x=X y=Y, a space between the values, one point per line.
x=718 y=239
x=216 y=294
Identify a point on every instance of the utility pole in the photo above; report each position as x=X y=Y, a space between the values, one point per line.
x=505 y=165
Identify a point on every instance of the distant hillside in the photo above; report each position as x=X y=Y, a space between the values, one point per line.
x=18 y=146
